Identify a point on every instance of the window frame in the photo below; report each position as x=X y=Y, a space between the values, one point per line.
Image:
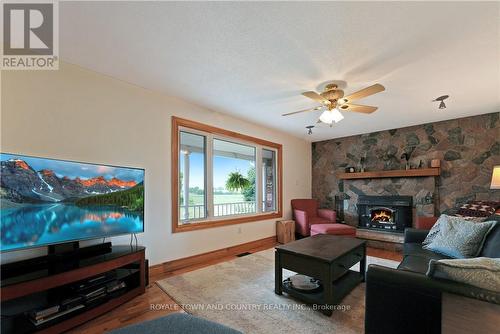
x=206 y=142
x=180 y=124
x=263 y=181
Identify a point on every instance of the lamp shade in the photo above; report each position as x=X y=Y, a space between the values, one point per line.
x=495 y=178
x=331 y=116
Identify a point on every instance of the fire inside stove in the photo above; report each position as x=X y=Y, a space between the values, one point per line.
x=382 y=215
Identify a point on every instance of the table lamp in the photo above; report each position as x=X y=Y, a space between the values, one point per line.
x=495 y=178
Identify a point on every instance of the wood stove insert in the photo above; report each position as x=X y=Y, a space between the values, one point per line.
x=390 y=213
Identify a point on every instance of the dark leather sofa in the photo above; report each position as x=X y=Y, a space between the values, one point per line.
x=405 y=300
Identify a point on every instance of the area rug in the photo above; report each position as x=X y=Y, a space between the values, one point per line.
x=240 y=294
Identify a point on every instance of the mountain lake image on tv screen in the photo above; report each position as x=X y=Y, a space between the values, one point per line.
x=46 y=201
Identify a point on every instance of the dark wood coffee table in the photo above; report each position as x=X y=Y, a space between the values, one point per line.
x=324 y=257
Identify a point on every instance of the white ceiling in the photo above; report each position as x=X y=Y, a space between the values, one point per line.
x=252 y=60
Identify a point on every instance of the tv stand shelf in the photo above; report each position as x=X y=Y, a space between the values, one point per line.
x=47 y=282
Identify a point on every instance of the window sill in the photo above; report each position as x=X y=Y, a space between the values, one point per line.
x=199 y=225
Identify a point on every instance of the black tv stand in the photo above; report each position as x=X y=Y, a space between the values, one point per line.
x=51 y=280
x=72 y=249
x=60 y=257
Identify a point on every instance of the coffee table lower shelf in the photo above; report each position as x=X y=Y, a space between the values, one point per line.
x=341 y=287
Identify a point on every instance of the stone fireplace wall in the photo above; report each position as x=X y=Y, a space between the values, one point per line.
x=467 y=147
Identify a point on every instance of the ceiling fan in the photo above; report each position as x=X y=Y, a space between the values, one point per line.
x=333 y=101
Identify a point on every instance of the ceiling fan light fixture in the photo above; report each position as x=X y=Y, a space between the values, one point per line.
x=331 y=116
x=337 y=116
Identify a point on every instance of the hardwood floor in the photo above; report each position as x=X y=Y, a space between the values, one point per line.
x=384 y=254
x=136 y=310
x=156 y=303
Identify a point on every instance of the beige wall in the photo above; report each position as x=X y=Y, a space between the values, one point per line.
x=81 y=115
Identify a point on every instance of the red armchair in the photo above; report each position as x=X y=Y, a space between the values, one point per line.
x=306 y=213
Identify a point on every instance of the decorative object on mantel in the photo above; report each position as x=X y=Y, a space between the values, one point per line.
x=362 y=162
x=495 y=178
x=406 y=157
x=435 y=163
x=421 y=172
x=350 y=170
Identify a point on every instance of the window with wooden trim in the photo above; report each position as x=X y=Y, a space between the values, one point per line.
x=221 y=177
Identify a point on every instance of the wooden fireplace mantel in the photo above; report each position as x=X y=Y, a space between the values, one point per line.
x=421 y=172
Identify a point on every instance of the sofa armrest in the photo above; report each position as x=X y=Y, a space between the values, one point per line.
x=301 y=222
x=327 y=214
x=415 y=298
x=398 y=278
x=413 y=235
x=405 y=295
x=402 y=279
x=300 y=216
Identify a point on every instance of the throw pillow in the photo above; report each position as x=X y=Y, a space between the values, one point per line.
x=435 y=228
x=459 y=238
x=482 y=272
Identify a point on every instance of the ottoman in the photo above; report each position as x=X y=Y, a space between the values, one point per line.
x=333 y=229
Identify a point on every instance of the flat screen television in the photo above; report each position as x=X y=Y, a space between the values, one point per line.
x=48 y=201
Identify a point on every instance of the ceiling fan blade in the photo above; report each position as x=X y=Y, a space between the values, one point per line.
x=374 y=89
x=357 y=108
x=305 y=110
x=316 y=97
